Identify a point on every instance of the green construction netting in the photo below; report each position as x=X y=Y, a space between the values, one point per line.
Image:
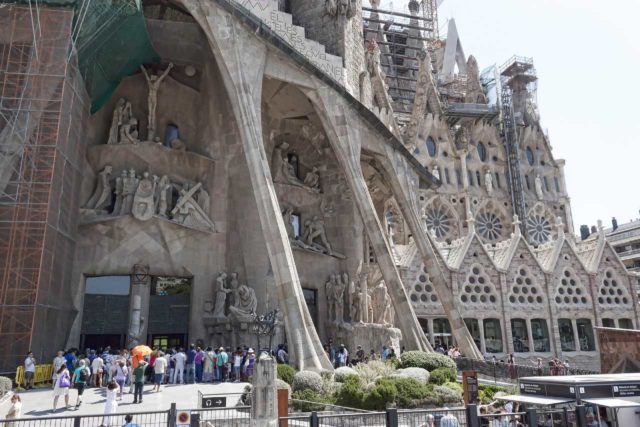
x=111 y=39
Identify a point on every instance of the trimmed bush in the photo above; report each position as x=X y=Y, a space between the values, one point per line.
x=350 y=394
x=454 y=386
x=410 y=392
x=446 y=396
x=419 y=374
x=428 y=361
x=343 y=372
x=286 y=373
x=307 y=380
x=374 y=369
x=441 y=376
x=327 y=374
x=5 y=385
x=308 y=396
x=383 y=394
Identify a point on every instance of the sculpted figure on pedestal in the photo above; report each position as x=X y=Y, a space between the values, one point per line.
x=381 y=304
x=289 y=173
x=220 y=292
x=245 y=306
x=164 y=195
x=329 y=290
x=143 y=202
x=277 y=162
x=153 y=81
x=539 y=187
x=101 y=197
x=339 y=289
x=488 y=181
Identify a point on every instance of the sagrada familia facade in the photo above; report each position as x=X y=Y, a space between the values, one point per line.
x=338 y=162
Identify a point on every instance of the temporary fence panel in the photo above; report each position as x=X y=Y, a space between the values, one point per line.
x=43 y=375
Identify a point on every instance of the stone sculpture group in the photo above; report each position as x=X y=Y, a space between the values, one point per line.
x=314 y=237
x=242 y=304
x=148 y=195
x=364 y=304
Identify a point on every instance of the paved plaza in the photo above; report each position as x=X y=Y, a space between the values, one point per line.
x=39 y=403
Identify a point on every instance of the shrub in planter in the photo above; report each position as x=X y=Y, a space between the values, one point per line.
x=428 y=361
x=454 y=386
x=350 y=394
x=343 y=372
x=374 y=369
x=304 y=401
x=286 y=373
x=419 y=374
x=307 y=380
x=442 y=375
x=410 y=391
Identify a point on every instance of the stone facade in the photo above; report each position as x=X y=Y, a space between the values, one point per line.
x=249 y=170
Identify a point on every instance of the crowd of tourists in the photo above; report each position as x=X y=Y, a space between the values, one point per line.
x=340 y=356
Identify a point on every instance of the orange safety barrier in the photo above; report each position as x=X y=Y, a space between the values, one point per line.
x=43 y=375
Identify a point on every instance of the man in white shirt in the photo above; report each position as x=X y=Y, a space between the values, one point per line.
x=97 y=369
x=29 y=370
x=58 y=361
x=179 y=359
x=159 y=369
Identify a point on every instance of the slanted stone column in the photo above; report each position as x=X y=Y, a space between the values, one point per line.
x=345 y=137
x=241 y=58
x=264 y=402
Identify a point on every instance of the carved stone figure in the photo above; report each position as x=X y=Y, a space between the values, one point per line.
x=475 y=93
x=163 y=195
x=129 y=187
x=346 y=8
x=312 y=180
x=381 y=303
x=101 y=197
x=381 y=96
x=436 y=171
x=339 y=288
x=153 y=81
x=220 y=292
x=287 y=217
x=331 y=297
x=277 y=163
x=234 y=285
x=538 y=184
x=204 y=201
x=143 y=202
x=117 y=206
x=129 y=132
x=315 y=230
x=488 y=181
x=363 y=295
x=289 y=173
x=188 y=212
x=121 y=115
x=246 y=304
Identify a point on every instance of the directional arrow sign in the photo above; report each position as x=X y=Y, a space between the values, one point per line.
x=214 y=402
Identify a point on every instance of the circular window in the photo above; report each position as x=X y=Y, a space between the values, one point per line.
x=438 y=220
x=431 y=146
x=482 y=152
x=489 y=226
x=530 y=157
x=539 y=229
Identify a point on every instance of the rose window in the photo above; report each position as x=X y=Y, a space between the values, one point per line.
x=438 y=220
x=539 y=229
x=489 y=226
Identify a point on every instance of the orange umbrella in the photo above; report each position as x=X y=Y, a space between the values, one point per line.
x=141 y=350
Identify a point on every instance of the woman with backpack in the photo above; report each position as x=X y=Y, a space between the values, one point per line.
x=79 y=380
x=61 y=386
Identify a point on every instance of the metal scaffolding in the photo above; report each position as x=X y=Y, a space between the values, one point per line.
x=40 y=114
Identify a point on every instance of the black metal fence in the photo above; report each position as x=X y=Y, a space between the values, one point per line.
x=512 y=372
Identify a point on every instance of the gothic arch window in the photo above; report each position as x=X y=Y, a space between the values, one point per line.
x=478 y=179
x=525 y=290
x=431 y=146
x=482 y=152
x=478 y=289
x=530 y=156
x=570 y=291
x=612 y=292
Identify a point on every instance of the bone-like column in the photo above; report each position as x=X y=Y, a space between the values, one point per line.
x=345 y=138
x=464 y=340
x=241 y=59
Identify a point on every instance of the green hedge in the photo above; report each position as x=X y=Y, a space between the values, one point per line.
x=308 y=396
x=428 y=361
x=402 y=392
x=286 y=373
x=441 y=376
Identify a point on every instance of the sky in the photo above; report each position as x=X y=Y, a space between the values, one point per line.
x=587 y=55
